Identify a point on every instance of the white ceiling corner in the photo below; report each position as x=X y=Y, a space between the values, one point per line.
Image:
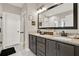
x=17 y=4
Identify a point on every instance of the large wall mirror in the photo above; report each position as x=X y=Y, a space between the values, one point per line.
x=59 y=16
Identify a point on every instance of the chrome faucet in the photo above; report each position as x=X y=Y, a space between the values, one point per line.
x=63 y=33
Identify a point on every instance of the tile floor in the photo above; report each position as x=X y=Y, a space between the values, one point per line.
x=25 y=52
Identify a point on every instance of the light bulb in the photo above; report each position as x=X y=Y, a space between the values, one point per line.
x=41 y=10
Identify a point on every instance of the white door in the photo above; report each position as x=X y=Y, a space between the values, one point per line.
x=11 y=29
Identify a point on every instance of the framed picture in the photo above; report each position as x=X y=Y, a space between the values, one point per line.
x=33 y=23
x=31 y=19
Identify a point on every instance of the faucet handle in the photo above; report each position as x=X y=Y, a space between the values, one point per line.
x=63 y=33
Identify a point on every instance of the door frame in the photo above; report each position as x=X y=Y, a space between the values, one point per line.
x=23 y=19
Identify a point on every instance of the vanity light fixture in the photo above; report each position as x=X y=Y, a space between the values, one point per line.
x=41 y=9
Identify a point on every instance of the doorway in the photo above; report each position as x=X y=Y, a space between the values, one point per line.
x=11 y=29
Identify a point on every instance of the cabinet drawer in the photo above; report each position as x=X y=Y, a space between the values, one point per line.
x=40 y=53
x=41 y=47
x=40 y=39
x=32 y=43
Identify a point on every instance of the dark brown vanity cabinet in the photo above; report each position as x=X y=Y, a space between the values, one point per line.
x=46 y=47
x=32 y=43
x=40 y=46
x=50 y=48
x=54 y=48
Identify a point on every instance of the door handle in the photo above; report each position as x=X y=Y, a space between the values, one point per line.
x=21 y=32
x=0 y=29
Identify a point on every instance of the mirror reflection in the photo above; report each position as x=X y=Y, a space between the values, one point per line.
x=59 y=16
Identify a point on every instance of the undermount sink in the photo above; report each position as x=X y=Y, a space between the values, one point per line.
x=63 y=38
x=58 y=37
x=74 y=37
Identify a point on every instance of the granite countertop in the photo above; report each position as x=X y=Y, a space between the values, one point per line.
x=59 y=38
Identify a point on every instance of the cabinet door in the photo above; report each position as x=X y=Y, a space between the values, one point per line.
x=50 y=48
x=76 y=50
x=41 y=40
x=40 y=46
x=65 y=50
x=32 y=43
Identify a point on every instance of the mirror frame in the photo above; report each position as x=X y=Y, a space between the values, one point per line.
x=75 y=18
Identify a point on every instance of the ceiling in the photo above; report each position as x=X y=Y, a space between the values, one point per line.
x=37 y=4
x=17 y=4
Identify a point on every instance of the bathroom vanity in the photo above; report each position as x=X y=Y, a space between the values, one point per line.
x=47 y=45
x=58 y=16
